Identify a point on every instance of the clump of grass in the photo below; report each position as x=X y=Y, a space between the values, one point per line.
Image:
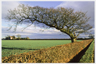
x=57 y=54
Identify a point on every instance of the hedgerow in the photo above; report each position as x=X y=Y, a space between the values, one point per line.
x=57 y=54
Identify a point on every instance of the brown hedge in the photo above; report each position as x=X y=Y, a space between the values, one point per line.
x=58 y=54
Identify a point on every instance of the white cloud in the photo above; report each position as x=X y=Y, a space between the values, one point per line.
x=92 y=29
x=67 y=4
x=78 y=5
x=29 y=30
x=7 y=5
x=16 y=34
x=39 y=30
x=84 y=36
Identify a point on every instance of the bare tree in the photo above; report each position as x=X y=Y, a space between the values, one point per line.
x=63 y=19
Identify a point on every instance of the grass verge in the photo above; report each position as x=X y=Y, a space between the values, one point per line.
x=88 y=57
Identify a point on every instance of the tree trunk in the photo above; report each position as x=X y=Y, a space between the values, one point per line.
x=73 y=40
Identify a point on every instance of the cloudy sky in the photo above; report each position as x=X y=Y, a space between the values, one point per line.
x=35 y=32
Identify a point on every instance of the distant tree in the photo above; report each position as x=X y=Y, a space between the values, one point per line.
x=27 y=38
x=18 y=36
x=64 y=19
x=91 y=36
x=13 y=37
x=7 y=37
x=22 y=38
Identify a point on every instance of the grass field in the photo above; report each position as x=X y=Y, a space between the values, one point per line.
x=89 y=54
x=14 y=47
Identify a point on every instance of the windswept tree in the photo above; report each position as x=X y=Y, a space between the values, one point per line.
x=64 y=19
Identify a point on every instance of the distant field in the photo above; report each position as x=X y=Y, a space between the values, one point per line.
x=10 y=47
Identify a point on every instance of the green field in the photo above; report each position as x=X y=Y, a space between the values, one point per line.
x=89 y=54
x=14 y=47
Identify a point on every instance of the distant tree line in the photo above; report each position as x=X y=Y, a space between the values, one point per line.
x=91 y=36
x=14 y=38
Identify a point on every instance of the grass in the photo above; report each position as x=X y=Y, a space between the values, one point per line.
x=14 y=47
x=89 y=55
x=57 y=54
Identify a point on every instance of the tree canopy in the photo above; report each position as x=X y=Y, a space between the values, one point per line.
x=64 y=19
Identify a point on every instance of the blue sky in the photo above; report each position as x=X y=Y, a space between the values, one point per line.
x=45 y=4
x=37 y=32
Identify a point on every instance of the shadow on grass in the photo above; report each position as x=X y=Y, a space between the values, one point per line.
x=14 y=48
